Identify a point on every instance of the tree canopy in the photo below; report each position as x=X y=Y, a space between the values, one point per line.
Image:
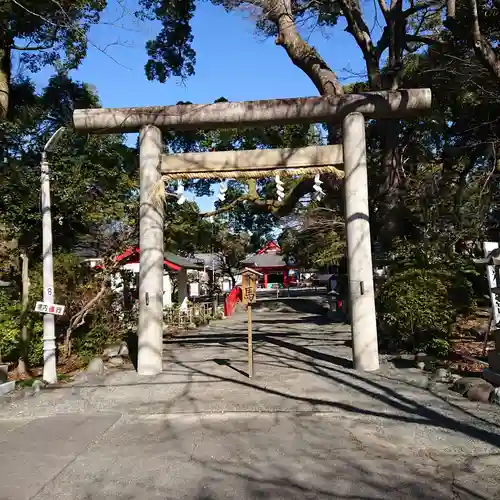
x=43 y=32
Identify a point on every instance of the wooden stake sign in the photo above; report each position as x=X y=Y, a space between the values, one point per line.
x=249 y=296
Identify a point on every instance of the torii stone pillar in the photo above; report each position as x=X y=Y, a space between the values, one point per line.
x=359 y=253
x=350 y=108
x=150 y=330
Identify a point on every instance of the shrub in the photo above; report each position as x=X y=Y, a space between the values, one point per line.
x=9 y=327
x=35 y=347
x=75 y=285
x=418 y=307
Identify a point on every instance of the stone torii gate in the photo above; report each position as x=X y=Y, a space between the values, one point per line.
x=350 y=109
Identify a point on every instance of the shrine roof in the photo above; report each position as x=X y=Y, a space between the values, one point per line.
x=265 y=260
x=171 y=260
x=184 y=262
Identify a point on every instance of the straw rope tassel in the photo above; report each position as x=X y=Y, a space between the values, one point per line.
x=157 y=193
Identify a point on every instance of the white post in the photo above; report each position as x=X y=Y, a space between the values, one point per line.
x=359 y=255
x=49 y=330
x=183 y=288
x=150 y=330
x=167 y=291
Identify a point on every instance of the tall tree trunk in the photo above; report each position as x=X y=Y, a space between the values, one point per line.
x=5 y=70
x=390 y=189
x=231 y=276
x=22 y=367
x=303 y=55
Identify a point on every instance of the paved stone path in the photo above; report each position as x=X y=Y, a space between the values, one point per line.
x=306 y=427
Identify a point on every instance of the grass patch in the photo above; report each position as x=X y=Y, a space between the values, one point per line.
x=62 y=378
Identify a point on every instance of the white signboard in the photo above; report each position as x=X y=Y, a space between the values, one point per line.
x=46 y=307
x=194 y=289
x=493 y=280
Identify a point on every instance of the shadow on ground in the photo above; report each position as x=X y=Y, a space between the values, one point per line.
x=307 y=427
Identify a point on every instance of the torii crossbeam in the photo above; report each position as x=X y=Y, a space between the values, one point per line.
x=350 y=110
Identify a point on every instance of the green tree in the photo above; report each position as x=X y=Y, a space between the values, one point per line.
x=230 y=248
x=43 y=32
x=93 y=179
x=93 y=182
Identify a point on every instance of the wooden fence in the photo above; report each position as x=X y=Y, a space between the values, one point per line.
x=194 y=315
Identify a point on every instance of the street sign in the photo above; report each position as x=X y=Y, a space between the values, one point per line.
x=46 y=307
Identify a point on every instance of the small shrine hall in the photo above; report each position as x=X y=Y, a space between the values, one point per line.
x=269 y=262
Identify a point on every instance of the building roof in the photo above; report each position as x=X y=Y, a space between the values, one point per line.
x=265 y=260
x=323 y=277
x=249 y=270
x=185 y=262
x=172 y=260
x=270 y=247
x=267 y=256
x=211 y=260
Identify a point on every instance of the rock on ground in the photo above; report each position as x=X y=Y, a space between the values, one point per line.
x=480 y=392
x=118 y=349
x=116 y=361
x=442 y=375
x=464 y=384
x=495 y=396
x=96 y=367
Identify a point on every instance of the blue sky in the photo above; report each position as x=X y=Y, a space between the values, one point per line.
x=232 y=61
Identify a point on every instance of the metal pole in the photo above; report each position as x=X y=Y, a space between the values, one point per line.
x=49 y=331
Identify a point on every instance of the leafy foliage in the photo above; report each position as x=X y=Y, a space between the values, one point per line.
x=171 y=53
x=44 y=32
x=99 y=172
x=422 y=298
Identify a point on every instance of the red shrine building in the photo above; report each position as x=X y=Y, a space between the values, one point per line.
x=269 y=262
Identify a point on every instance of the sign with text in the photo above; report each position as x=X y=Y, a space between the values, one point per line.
x=46 y=307
x=194 y=289
x=249 y=285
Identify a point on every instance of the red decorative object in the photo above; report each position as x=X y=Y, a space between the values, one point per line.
x=131 y=255
x=234 y=296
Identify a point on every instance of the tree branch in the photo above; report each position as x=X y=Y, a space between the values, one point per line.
x=483 y=49
x=383 y=8
x=78 y=319
x=414 y=9
x=303 y=55
x=28 y=48
x=425 y=40
x=357 y=27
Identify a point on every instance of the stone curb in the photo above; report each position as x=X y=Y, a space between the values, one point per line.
x=7 y=387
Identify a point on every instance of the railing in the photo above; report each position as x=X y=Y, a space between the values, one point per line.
x=231 y=300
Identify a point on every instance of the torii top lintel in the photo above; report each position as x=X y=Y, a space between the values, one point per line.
x=380 y=104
